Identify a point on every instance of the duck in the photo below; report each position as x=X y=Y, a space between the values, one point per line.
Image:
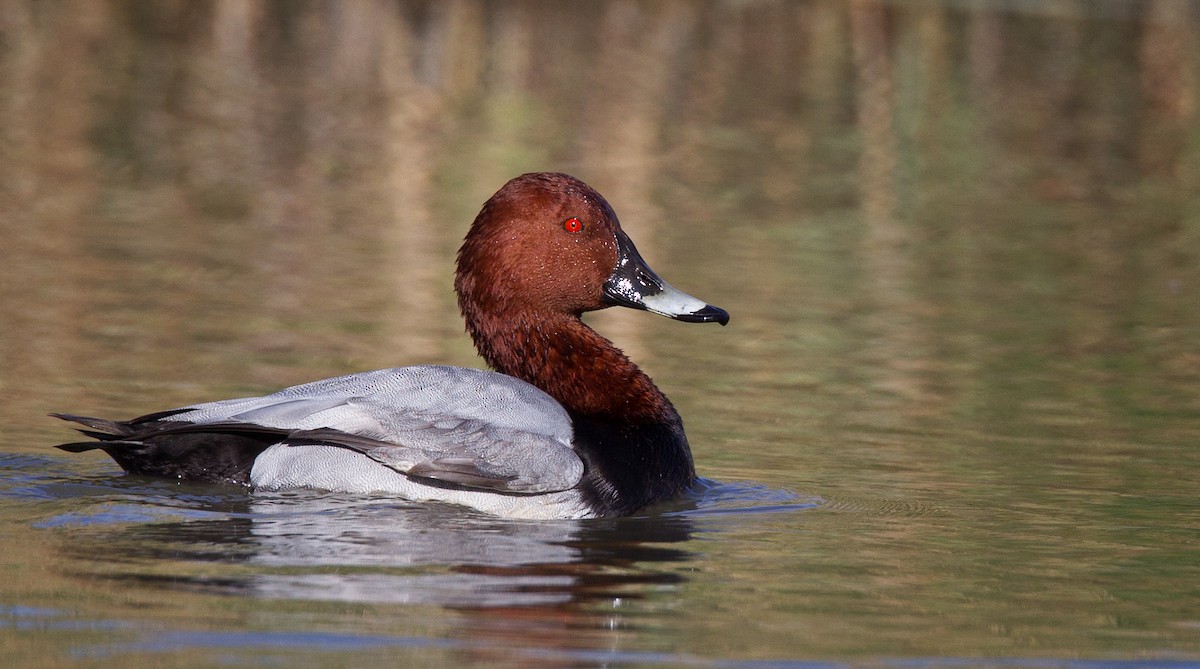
x=564 y=425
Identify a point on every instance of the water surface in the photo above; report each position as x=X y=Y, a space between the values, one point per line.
x=953 y=422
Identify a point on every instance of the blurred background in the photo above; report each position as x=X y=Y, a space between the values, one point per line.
x=958 y=240
x=215 y=188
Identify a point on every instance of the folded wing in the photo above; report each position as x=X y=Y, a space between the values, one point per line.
x=449 y=425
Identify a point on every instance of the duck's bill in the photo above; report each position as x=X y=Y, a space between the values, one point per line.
x=633 y=284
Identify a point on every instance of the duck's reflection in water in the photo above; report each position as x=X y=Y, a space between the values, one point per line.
x=519 y=593
x=377 y=552
x=308 y=546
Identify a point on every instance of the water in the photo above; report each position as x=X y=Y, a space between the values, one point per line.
x=953 y=421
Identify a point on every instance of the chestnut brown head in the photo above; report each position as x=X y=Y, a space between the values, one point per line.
x=549 y=243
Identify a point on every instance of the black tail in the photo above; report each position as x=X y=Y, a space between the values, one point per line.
x=153 y=445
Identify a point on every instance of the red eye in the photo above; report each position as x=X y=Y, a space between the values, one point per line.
x=573 y=225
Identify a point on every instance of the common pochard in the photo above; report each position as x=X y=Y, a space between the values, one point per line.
x=566 y=427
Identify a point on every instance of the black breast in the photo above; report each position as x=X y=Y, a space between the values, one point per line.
x=629 y=465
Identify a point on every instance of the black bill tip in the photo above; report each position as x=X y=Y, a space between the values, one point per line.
x=709 y=314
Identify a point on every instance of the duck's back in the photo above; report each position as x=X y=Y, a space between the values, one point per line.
x=387 y=403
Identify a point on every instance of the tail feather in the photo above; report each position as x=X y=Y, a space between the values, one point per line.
x=85 y=446
x=157 y=446
x=101 y=428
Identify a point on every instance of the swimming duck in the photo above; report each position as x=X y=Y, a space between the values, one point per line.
x=565 y=427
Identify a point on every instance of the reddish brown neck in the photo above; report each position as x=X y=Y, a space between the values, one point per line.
x=572 y=363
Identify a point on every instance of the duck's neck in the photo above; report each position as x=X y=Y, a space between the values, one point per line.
x=574 y=364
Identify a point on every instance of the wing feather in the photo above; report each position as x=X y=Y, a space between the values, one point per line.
x=459 y=426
